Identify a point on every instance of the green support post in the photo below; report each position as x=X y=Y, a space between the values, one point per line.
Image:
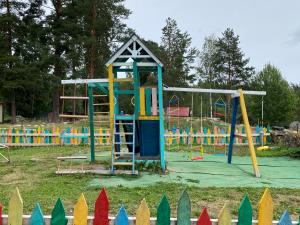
x=148 y=101
x=161 y=119
x=91 y=112
x=136 y=86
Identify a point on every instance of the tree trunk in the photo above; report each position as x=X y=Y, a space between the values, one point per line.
x=13 y=107
x=58 y=73
x=10 y=65
x=92 y=50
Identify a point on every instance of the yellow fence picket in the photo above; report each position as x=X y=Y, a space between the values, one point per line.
x=15 y=208
x=265 y=209
x=224 y=217
x=80 y=211
x=143 y=214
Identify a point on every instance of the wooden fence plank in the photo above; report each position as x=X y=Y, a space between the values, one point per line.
x=285 y=219
x=80 y=211
x=143 y=214
x=184 y=209
x=265 y=209
x=224 y=217
x=37 y=217
x=204 y=218
x=15 y=208
x=121 y=218
x=101 y=209
x=58 y=216
x=1 y=214
x=163 y=212
x=245 y=212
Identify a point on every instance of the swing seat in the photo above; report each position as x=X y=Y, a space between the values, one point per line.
x=219 y=146
x=219 y=114
x=197 y=148
x=197 y=158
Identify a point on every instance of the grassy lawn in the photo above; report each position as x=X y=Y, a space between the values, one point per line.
x=33 y=171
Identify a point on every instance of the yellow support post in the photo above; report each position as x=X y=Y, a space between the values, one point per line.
x=248 y=133
x=111 y=100
x=142 y=102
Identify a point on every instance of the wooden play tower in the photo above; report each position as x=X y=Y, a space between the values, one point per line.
x=136 y=134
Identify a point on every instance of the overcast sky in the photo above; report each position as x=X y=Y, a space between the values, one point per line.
x=269 y=30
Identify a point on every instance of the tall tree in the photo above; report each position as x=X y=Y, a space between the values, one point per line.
x=11 y=25
x=57 y=62
x=280 y=100
x=230 y=63
x=84 y=33
x=178 y=55
x=206 y=69
x=296 y=88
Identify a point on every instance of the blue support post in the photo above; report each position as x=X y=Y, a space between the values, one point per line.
x=161 y=119
x=232 y=130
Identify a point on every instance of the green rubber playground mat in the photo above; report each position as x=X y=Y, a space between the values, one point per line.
x=213 y=171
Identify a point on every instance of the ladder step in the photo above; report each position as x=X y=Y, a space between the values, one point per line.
x=123 y=153
x=125 y=143
x=101 y=104
x=124 y=123
x=124 y=117
x=122 y=163
x=127 y=79
x=100 y=95
x=101 y=112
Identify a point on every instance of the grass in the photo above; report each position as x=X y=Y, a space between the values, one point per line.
x=33 y=171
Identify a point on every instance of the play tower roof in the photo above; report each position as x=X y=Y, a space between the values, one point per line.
x=135 y=49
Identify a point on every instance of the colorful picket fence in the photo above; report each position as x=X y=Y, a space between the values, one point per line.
x=216 y=136
x=78 y=136
x=51 y=136
x=101 y=213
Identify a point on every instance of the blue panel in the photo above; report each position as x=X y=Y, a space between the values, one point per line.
x=149 y=137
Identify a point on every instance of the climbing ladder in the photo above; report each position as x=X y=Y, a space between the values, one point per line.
x=121 y=138
x=101 y=114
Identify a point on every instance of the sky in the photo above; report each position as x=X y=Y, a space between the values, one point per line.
x=269 y=30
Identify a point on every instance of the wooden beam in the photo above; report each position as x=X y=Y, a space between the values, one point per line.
x=213 y=91
x=84 y=81
x=128 y=79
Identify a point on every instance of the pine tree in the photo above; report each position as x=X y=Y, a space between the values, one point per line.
x=83 y=34
x=178 y=55
x=230 y=64
x=10 y=64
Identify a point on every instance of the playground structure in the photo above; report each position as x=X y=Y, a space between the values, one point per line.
x=139 y=133
x=102 y=211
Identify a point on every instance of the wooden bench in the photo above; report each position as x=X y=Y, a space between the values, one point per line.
x=71 y=159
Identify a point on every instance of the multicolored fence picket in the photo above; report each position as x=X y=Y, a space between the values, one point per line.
x=51 y=136
x=101 y=213
x=216 y=136
x=77 y=136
